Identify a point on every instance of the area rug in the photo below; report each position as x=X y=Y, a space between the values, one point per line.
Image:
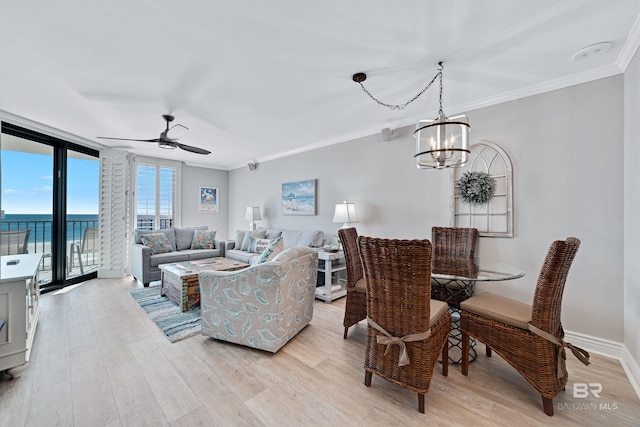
x=166 y=314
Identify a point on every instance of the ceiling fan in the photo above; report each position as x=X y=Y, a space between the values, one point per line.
x=166 y=141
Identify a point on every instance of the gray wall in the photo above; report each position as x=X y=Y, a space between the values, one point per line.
x=565 y=184
x=191 y=180
x=632 y=209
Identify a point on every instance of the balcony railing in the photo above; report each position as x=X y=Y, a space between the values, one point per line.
x=40 y=242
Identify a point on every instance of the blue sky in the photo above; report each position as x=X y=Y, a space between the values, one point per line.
x=27 y=184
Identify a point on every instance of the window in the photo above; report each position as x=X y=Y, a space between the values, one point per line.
x=157 y=199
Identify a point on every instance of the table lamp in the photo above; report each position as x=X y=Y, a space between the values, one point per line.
x=346 y=213
x=252 y=214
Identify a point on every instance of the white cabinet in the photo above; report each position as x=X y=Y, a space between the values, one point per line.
x=20 y=308
x=333 y=266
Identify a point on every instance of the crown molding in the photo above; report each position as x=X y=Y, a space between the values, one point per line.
x=630 y=46
x=537 y=89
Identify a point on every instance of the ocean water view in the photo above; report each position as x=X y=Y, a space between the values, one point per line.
x=40 y=225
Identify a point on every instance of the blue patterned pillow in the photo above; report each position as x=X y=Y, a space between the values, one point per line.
x=203 y=239
x=275 y=247
x=157 y=242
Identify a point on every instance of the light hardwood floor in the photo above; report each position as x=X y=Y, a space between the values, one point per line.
x=98 y=360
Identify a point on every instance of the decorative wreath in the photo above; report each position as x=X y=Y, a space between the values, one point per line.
x=476 y=187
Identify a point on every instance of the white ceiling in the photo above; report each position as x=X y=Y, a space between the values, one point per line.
x=254 y=80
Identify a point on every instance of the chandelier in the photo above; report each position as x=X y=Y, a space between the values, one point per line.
x=440 y=143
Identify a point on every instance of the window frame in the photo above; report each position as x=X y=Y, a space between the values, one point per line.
x=158 y=164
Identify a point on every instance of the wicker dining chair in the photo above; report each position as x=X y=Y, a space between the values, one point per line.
x=406 y=329
x=356 y=305
x=452 y=246
x=528 y=337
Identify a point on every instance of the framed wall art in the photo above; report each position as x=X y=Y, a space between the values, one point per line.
x=299 y=198
x=208 y=200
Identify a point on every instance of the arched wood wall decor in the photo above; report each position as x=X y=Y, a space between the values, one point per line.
x=494 y=218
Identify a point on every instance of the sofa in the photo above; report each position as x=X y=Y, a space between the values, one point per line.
x=144 y=262
x=234 y=248
x=262 y=306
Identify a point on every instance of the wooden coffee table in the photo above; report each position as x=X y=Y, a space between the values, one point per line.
x=179 y=280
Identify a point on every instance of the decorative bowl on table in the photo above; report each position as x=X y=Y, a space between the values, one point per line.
x=331 y=248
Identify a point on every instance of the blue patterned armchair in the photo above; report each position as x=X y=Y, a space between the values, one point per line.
x=262 y=306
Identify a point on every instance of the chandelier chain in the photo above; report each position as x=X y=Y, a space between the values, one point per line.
x=440 y=74
x=403 y=106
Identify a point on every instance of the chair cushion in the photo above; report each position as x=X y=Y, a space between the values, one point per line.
x=437 y=309
x=361 y=286
x=502 y=309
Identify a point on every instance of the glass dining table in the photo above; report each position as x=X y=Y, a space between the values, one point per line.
x=453 y=280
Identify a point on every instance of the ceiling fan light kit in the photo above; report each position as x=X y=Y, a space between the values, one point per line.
x=166 y=141
x=440 y=143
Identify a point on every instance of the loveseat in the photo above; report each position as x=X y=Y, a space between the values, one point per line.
x=144 y=262
x=241 y=249
x=262 y=306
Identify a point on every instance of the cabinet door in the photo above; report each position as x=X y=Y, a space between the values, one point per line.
x=12 y=335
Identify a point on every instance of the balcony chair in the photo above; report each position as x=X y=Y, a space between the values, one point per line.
x=528 y=337
x=88 y=245
x=356 y=305
x=406 y=330
x=14 y=242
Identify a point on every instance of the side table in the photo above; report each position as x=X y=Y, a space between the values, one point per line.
x=331 y=264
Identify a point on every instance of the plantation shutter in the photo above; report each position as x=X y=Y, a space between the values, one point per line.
x=114 y=206
x=156 y=197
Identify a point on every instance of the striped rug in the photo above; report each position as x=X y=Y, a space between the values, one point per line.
x=166 y=314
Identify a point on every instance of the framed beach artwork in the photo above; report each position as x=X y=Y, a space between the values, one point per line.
x=299 y=198
x=208 y=200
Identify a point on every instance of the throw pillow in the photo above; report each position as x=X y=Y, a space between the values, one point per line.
x=257 y=246
x=275 y=247
x=157 y=242
x=203 y=239
x=258 y=234
x=239 y=239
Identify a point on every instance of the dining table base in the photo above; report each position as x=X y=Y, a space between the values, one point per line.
x=455 y=340
x=453 y=292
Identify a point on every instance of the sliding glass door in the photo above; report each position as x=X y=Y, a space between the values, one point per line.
x=83 y=175
x=49 y=198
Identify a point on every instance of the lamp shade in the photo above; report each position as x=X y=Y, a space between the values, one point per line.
x=252 y=213
x=442 y=143
x=346 y=213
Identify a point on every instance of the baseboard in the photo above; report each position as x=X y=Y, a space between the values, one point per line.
x=631 y=368
x=611 y=349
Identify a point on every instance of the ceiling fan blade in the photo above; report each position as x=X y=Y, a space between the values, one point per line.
x=177 y=131
x=193 y=149
x=130 y=139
